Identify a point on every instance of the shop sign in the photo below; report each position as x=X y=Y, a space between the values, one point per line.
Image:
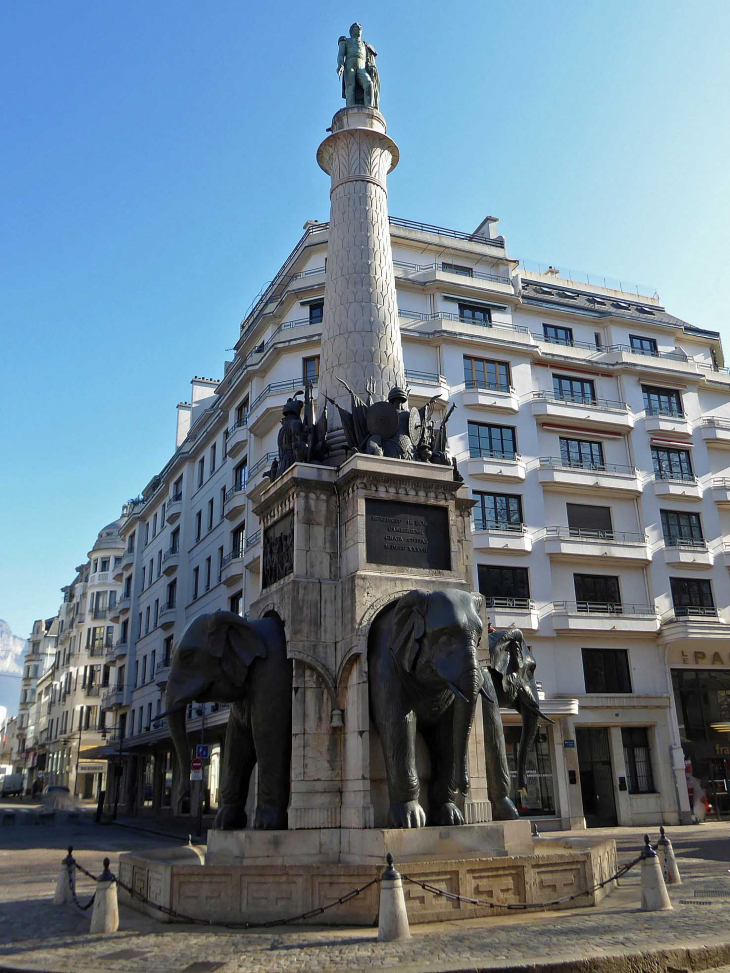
x=699 y=658
x=569 y=744
x=92 y=766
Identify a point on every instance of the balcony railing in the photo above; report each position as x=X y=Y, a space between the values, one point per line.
x=675 y=475
x=95 y=651
x=678 y=540
x=288 y=385
x=570 y=342
x=585 y=533
x=484 y=386
x=497 y=601
x=423 y=378
x=670 y=355
x=717 y=422
x=238 y=424
x=665 y=411
x=693 y=611
x=254 y=538
x=442 y=231
x=603 y=608
x=265 y=461
x=469 y=272
x=99 y=613
x=92 y=690
x=233 y=556
x=239 y=487
x=557 y=462
x=502 y=526
x=615 y=405
x=170 y=552
x=174 y=499
x=486 y=452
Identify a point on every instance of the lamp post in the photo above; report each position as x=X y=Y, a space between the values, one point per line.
x=116 y=726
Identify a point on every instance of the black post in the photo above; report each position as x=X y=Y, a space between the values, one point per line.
x=202 y=782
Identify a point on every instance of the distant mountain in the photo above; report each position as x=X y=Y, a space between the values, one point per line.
x=12 y=649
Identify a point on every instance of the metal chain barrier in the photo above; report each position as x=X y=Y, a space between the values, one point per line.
x=523 y=906
x=69 y=866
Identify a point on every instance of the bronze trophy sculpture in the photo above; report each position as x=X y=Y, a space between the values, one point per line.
x=300 y=439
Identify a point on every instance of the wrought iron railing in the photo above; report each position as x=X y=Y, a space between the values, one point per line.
x=680 y=540
x=585 y=466
x=497 y=601
x=614 y=405
x=603 y=608
x=585 y=533
x=486 y=452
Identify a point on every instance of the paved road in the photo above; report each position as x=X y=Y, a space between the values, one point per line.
x=36 y=935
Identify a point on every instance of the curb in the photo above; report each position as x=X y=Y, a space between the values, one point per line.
x=677 y=960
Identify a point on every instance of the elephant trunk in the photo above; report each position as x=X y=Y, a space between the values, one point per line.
x=176 y=724
x=464 y=707
x=530 y=722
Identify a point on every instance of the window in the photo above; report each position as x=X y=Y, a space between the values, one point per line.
x=597 y=339
x=175 y=540
x=316 y=312
x=148 y=775
x=159 y=562
x=310 y=369
x=166 y=798
x=671 y=464
x=147 y=619
x=238 y=540
x=500 y=584
x=157 y=612
x=198 y=525
x=210 y=514
x=557 y=335
x=662 y=402
x=177 y=489
x=220 y=562
x=475 y=314
x=95 y=565
x=582 y=453
x=152 y=571
x=635 y=741
x=162 y=516
x=643 y=346
x=130 y=543
x=124 y=632
x=682 y=529
x=585 y=520
x=97 y=640
x=144 y=576
x=459 y=269
x=495 y=441
x=128 y=586
x=212 y=459
x=242 y=412
x=500 y=511
x=105 y=564
x=239 y=475
x=481 y=373
x=146 y=533
x=196 y=581
x=153 y=655
x=144 y=670
x=171 y=594
x=597 y=592
x=606 y=670
x=581 y=390
x=109 y=638
x=168 y=650
x=692 y=596
x=201 y=471
x=207 y=574
x=236 y=602
x=154 y=526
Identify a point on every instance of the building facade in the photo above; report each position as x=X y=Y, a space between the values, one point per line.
x=593 y=430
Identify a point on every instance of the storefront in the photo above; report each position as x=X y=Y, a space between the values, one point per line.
x=702 y=701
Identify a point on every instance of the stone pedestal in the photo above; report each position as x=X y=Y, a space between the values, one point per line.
x=327 y=602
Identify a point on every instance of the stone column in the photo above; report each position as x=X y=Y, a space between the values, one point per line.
x=360 y=332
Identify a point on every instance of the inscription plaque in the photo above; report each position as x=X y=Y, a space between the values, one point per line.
x=411 y=535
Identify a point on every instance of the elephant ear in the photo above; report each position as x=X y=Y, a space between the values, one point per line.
x=505 y=649
x=236 y=642
x=408 y=626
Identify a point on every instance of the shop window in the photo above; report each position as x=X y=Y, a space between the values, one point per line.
x=148 y=780
x=606 y=670
x=635 y=741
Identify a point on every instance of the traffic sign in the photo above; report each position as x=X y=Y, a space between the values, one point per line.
x=196 y=774
x=196 y=764
x=202 y=750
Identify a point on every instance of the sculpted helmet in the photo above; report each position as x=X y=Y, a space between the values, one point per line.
x=397 y=394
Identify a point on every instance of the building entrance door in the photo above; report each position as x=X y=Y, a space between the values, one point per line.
x=718 y=787
x=596 y=776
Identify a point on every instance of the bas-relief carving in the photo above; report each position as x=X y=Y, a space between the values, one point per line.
x=277 y=556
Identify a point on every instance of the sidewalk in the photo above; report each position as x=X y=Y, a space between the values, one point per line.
x=616 y=936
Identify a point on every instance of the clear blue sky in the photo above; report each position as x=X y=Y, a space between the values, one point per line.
x=157 y=162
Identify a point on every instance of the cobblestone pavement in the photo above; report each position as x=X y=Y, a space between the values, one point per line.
x=35 y=935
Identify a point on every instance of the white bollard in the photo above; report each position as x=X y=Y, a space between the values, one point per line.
x=668 y=862
x=66 y=884
x=105 y=917
x=393 y=918
x=654 y=895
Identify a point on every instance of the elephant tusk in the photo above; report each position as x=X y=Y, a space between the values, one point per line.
x=457 y=692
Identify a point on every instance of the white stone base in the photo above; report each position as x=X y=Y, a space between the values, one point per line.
x=351 y=846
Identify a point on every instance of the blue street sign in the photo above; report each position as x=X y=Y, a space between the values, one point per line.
x=202 y=750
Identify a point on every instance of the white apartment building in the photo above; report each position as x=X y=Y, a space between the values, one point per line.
x=593 y=430
x=68 y=693
x=39 y=656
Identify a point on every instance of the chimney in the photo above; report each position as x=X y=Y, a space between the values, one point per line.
x=184 y=410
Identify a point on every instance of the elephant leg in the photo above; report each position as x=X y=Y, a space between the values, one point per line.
x=272 y=736
x=499 y=782
x=237 y=764
x=441 y=791
x=398 y=737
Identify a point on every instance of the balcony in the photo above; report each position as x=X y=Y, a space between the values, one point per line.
x=501 y=538
x=171 y=561
x=112 y=698
x=647 y=360
x=490 y=396
x=162 y=672
x=691 y=622
x=232 y=568
x=95 y=651
x=677 y=486
x=94 y=690
x=252 y=552
x=422 y=386
x=667 y=421
x=80 y=618
x=603 y=618
x=488 y=464
x=110 y=653
x=555 y=473
x=716 y=431
x=127 y=560
x=256 y=481
x=118 y=570
x=113 y=612
x=168 y=613
x=99 y=614
x=235 y=500
x=607 y=415
x=265 y=411
x=237 y=436
x=120 y=648
x=512 y=613
x=721 y=490
x=687 y=552
x=173 y=508
x=124 y=604
x=579 y=544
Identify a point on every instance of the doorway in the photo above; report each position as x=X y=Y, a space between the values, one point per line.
x=596 y=776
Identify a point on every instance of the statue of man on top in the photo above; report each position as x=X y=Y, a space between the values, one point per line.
x=356 y=67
